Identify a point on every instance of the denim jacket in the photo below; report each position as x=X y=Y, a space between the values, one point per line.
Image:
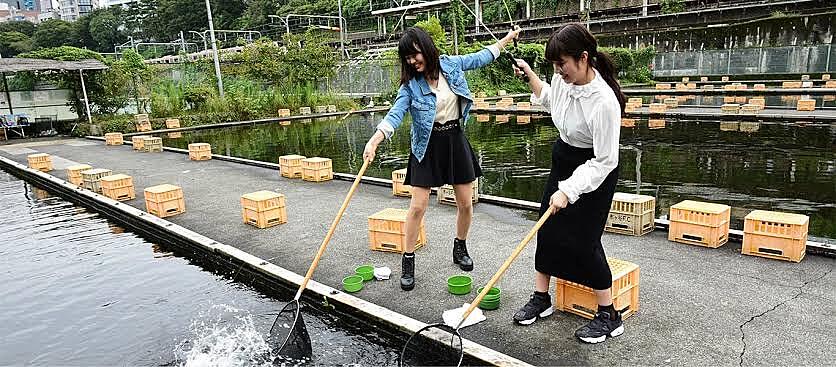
x=419 y=100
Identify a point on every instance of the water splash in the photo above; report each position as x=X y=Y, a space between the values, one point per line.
x=224 y=336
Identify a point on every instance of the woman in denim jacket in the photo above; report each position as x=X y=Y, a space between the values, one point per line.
x=434 y=91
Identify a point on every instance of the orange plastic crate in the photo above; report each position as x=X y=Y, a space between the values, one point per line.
x=40 y=161
x=113 y=139
x=523 y=105
x=447 y=195
x=671 y=102
x=138 y=141
x=724 y=79
x=631 y=214
x=398 y=187
x=116 y=181
x=523 y=119
x=703 y=78
x=74 y=173
x=317 y=169
x=740 y=100
x=92 y=177
x=118 y=187
x=580 y=300
x=806 y=105
x=663 y=86
x=699 y=223
x=483 y=118
x=320 y=109
x=657 y=108
x=730 y=108
x=625 y=122
x=830 y=84
x=142 y=122
x=387 y=231
x=481 y=105
x=152 y=144
x=263 y=209
x=635 y=101
x=164 y=200
x=750 y=126
x=775 y=235
x=290 y=166
x=284 y=112
x=791 y=84
x=749 y=109
x=172 y=123
x=501 y=119
x=759 y=101
x=304 y=110
x=200 y=151
x=654 y=124
x=759 y=87
x=631 y=107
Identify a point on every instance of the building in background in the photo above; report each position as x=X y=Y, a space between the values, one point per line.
x=46 y=5
x=71 y=10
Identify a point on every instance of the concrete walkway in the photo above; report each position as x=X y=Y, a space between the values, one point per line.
x=698 y=306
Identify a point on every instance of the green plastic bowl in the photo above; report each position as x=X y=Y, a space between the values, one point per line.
x=493 y=294
x=352 y=283
x=459 y=284
x=489 y=305
x=365 y=271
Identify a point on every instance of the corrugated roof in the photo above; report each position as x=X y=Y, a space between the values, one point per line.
x=12 y=65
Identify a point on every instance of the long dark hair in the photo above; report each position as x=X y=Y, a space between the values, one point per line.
x=572 y=40
x=412 y=37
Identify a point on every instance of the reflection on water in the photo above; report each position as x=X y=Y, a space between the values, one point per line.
x=81 y=291
x=748 y=165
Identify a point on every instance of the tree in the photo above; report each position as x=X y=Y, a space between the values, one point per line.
x=22 y=26
x=13 y=43
x=257 y=13
x=55 y=33
x=104 y=27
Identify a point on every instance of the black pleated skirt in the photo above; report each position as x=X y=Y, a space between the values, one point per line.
x=569 y=243
x=449 y=160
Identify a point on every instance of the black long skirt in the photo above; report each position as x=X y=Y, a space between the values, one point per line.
x=449 y=159
x=569 y=243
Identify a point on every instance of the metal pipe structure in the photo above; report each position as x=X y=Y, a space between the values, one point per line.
x=215 y=50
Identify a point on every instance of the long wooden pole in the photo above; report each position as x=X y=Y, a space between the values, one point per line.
x=331 y=230
x=504 y=266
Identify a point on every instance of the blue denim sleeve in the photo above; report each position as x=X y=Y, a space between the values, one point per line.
x=394 y=117
x=475 y=60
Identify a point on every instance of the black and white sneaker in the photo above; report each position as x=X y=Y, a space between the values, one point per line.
x=600 y=328
x=538 y=306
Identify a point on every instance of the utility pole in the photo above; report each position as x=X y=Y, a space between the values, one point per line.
x=214 y=50
x=342 y=27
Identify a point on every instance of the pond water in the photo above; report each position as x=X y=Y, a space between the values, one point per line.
x=79 y=290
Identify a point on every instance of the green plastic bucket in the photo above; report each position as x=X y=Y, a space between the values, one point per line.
x=459 y=284
x=352 y=283
x=365 y=271
x=491 y=300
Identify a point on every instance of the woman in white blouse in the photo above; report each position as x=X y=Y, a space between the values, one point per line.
x=585 y=102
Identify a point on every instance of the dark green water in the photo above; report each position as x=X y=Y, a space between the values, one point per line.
x=784 y=167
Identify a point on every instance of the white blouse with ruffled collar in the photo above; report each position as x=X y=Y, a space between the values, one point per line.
x=587 y=116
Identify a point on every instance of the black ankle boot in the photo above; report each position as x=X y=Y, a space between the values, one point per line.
x=408 y=272
x=460 y=255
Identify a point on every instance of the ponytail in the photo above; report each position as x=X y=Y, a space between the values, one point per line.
x=602 y=62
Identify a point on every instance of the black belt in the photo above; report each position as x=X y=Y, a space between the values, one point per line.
x=452 y=124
